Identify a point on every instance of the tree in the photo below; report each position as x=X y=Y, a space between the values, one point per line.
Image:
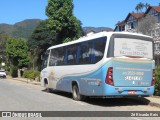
x=147 y=5
x=61 y=21
x=146 y=25
x=41 y=38
x=17 y=52
x=139 y=7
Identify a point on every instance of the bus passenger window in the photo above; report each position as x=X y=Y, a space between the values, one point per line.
x=98 y=49
x=71 y=60
x=85 y=55
x=53 y=61
x=60 y=55
x=45 y=60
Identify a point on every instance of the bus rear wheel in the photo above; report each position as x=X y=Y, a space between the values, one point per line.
x=76 y=95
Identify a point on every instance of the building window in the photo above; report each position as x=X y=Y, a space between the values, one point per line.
x=120 y=29
x=132 y=26
x=123 y=28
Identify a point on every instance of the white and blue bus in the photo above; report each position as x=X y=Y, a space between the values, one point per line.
x=106 y=64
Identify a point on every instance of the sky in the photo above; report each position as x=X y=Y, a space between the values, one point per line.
x=93 y=13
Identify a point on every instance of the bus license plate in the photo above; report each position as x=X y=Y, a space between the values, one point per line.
x=132 y=92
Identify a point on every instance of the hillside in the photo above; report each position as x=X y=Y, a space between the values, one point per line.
x=25 y=28
x=96 y=29
x=21 y=29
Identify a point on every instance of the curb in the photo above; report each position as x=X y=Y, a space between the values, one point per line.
x=26 y=81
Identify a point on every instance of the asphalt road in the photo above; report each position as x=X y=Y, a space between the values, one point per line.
x=20 y=96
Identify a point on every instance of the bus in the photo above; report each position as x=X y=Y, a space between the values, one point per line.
x=105 y=64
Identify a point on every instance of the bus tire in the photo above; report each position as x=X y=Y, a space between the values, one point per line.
x=46 y=86
x=76 y=95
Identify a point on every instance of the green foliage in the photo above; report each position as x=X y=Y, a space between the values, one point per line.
x=31 y=74
x=17 y=52
x=41 y=38
x=14 y=71
x=157 y=81
x=140 y=7
x=61 y=20
x=67 y=40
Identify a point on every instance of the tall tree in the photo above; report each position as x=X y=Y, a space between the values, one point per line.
x=61 y=20
x=146 y=6
x=139 y=7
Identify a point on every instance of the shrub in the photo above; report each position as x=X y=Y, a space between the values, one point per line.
x=31 y=74
x=14 y=71
x=157 y=81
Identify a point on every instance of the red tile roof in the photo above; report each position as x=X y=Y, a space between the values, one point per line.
x=137 y=15
x=120 y=22
x=157 y=8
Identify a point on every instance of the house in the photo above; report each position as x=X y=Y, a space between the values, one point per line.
x=130 y=23
x=132 y=20
x=120 y=26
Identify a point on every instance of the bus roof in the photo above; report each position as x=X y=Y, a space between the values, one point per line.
x=96 y=35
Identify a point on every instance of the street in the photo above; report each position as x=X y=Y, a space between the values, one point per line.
x=20 y=96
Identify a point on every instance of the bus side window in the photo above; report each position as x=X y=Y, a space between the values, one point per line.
x=72 y=49
x=65 y=56
x=98 y=49
x=53 y=58
x=45 y=60
x=60 y=55
x=79 y=57
x=84 y=53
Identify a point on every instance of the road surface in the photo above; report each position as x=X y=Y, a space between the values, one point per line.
x=20 y=96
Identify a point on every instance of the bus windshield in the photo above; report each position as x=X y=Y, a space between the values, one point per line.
x=133 y=47
x=45 y=60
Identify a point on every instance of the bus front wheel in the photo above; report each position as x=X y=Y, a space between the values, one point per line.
x=46 y=86
x=76 y=95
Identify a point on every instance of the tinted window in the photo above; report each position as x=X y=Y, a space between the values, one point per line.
x=71 y=56
x=45 y=60
x=89 y=52
x=53 y=57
